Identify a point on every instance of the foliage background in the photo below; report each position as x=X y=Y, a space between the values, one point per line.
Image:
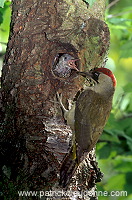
x=114 y=150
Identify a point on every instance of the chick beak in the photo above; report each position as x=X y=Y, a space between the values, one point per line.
x=72 y=65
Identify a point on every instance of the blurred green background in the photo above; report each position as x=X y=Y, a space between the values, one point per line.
x=5 y=15
x=114 y=150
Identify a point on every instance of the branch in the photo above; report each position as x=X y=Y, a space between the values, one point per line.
x=126 y=116
x=112 y=4
x=119 y=14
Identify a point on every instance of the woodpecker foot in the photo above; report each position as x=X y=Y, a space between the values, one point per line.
x=59 y=97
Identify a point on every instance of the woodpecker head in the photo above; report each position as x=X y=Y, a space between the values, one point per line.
x=99 y=73
x=104 y=80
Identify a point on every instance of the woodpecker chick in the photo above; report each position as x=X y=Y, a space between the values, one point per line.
x=65 y=65
x=89 y=116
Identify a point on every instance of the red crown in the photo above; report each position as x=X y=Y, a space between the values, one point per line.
x=108 y=73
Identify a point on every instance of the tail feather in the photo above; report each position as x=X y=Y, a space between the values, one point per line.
x=68 y=168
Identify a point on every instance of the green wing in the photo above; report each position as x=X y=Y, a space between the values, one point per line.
x=91 y=114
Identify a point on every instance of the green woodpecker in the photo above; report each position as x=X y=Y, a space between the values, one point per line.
x=87 y=118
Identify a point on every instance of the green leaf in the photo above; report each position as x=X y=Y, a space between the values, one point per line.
x=128 y=140
x=128 y=87
x=129 y=108
x=1 y=18
x=119 y=21
x=107 y=136
x=123 y=163
x=116 y=182
x=125 y=102
x=2 y=3
x=5 y=25
x=126 y=50
x=126 y=125
x=112 y=124
x=104 y=152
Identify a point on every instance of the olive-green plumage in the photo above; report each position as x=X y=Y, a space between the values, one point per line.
x=91 y=113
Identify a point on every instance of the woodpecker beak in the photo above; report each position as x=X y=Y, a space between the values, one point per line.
x=72 y=65
x=87 y=75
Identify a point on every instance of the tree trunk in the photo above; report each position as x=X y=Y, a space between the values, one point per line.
x=35 y=137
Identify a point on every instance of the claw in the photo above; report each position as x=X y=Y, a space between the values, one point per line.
x=59 y=97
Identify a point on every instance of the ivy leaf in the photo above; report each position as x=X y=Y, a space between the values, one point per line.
x=90 y=2
x=2 y=3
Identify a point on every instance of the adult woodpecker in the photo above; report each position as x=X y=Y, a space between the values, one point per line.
x=87 y=118
x=64 y=66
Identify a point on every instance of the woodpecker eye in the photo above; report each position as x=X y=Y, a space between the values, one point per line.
x=96 y=76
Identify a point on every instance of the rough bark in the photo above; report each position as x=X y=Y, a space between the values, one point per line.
x=35 y=137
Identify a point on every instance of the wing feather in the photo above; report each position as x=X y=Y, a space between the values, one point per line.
x=91 y=114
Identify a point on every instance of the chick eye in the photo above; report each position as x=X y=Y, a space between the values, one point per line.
x=65 y=58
